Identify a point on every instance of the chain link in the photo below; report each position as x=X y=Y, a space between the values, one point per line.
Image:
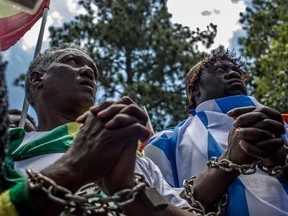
x=247 y=169
x=273 y=171
x=229 y=166
x=277 y=170
x=196 y=206
x=89 y=199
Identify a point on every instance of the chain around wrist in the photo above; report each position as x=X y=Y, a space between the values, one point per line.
x=273 y=171
x=197 y=207
x=228 y=166
x=89 y=199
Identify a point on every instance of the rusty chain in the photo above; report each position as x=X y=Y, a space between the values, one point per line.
x=89 y=199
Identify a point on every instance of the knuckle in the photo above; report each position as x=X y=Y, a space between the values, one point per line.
x=120 y=117
x=140 y=129
x=126 y=100
x=105 y=104
x=133 y=108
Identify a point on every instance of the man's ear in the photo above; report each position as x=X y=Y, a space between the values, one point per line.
x=195 y=95
x=35 y=78
x=194 y=92
x=197 y=92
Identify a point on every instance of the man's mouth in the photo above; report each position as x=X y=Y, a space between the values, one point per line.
x=88 y=83
x=237 y=85
x=236 y=82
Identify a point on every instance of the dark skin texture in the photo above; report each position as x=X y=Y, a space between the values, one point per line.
x=104 y=138
x=256 y=133
x=66 y=90
x=224 y=80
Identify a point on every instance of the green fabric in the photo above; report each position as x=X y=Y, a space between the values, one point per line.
x=16 y=136
x=57 y=140
x=9 y=176
x=20 y=198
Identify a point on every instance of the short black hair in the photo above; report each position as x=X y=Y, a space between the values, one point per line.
x=193 y=75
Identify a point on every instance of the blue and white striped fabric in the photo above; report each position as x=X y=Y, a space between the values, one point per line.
x=183 y=152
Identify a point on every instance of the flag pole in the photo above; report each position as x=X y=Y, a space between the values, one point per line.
x=149 y=121
x=36 y=52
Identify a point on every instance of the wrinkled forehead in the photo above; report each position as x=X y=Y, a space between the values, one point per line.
x=59 y=54
x=210 y=63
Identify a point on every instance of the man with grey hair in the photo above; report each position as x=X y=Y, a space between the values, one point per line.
x=62 y=155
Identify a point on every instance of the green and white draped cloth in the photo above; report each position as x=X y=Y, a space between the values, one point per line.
x=37 y=150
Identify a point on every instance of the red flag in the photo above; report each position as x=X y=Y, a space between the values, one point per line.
x=141 y=145
x=285 y=117
x=12 y=28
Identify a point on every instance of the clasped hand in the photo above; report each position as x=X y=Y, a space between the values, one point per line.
x=257 y=134
x=105 y=148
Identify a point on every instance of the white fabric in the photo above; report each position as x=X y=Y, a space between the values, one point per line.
x=184 y=151
x=155 y=179
x=145 y=166
x=29 y=137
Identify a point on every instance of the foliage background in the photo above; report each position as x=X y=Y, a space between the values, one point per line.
x=139 y=52
x=265 y=48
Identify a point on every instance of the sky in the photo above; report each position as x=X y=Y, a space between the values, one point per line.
x=191 y=13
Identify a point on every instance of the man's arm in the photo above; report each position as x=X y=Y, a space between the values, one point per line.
x=256 y=134
x=103 y=152
x=121 y=176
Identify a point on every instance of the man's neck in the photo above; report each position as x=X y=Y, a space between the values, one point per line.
x=53 y=118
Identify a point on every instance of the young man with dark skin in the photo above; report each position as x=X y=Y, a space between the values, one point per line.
x=61 y=86
x=240 y=160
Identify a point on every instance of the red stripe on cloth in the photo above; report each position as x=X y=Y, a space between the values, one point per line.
x=285 y=117
x=144 y=143
x=14 y=27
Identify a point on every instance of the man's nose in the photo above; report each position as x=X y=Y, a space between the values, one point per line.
x=232 y=74
x=87 y=71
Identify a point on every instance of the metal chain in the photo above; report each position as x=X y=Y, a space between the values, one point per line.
x=247 y=169
x=229 y=166
x=89 y=199
x=277 y=170
x=273 y=171
x=196 y=206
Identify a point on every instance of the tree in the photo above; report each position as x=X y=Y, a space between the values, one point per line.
x=266 y=49
x=139 y=52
